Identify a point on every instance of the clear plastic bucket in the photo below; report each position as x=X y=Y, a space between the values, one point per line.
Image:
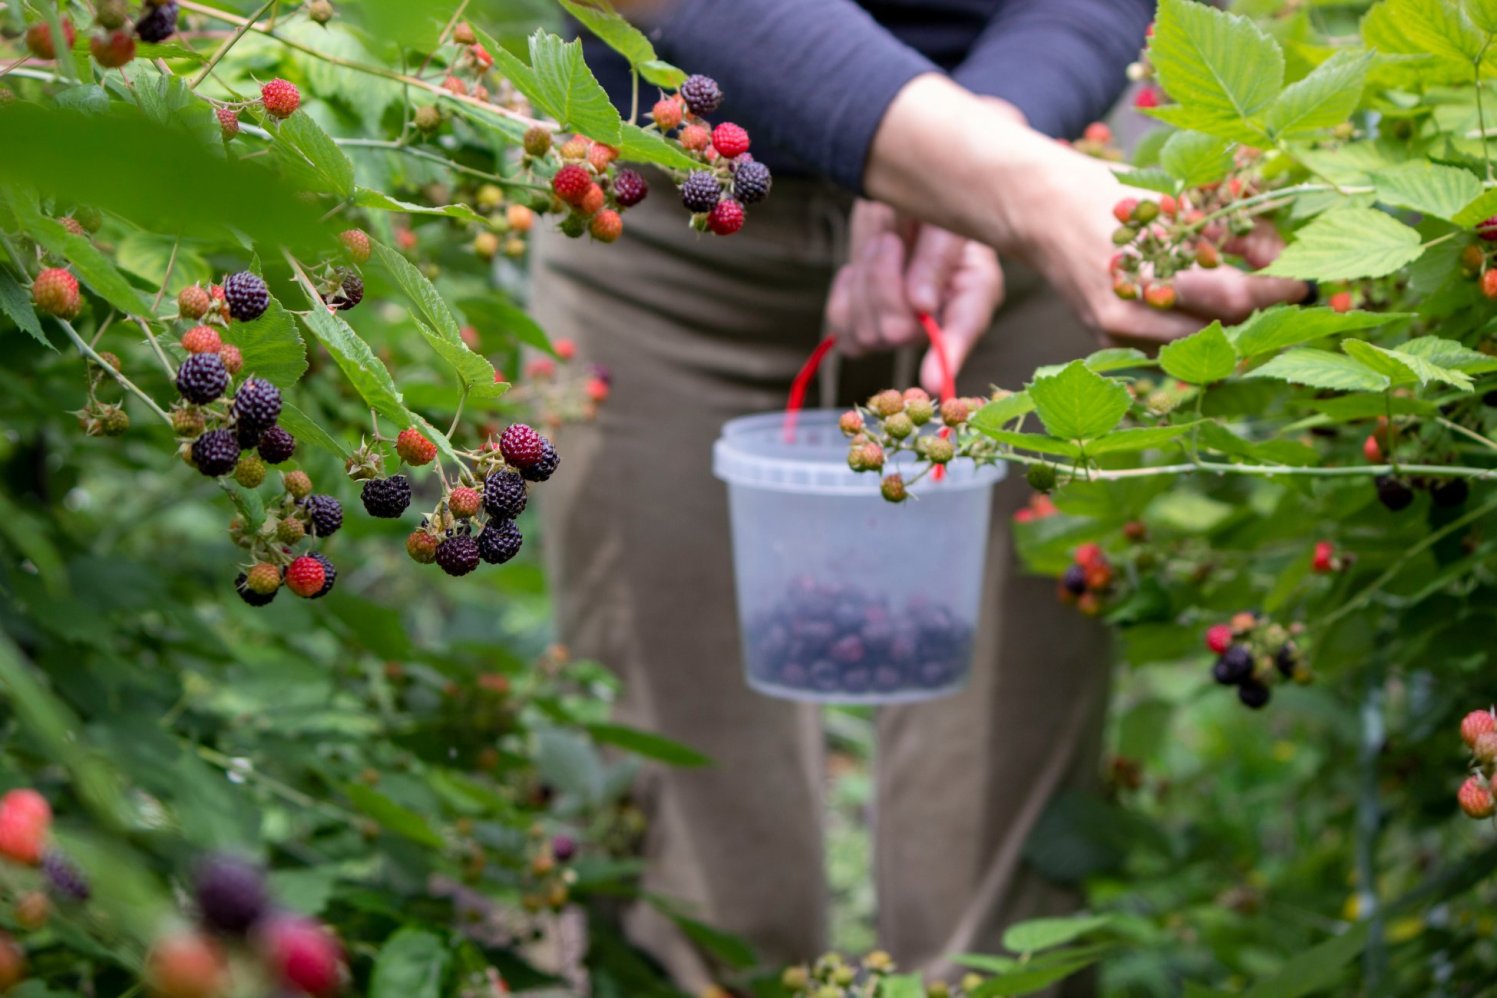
x=844 y=597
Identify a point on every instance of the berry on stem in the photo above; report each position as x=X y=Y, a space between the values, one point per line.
x=280 y=97
x=629 y=188
x=701 y=94
x=277 y=445
x=571 y=183
x=39 y=38
x=355 y=244
x=1476 y=724
x=666 y=113
x=458 y=555
x=158 y=23
x=1219 y=637
x=700 y=191
x=304 y=954
x=730 y=140
x=521 y=446
x=305 y=576
x=499 y=541
x=55 y=292
x=230 y=893
x=228 y=122
x=247 y=296
x=216 y=452
x=504 y=495
x=386 y=498
x=186 y=965
x=725 y=218
x=1475 y=798
x=325 y=514
x=413 y=447
x=751 y=182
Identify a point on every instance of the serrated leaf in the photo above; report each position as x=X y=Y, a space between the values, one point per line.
x=1187 y=116
x=599 y=17
x=437 y=323
x=92 y=267
x=410 y=965
x=148 y=256
x=1213 y=62
x=1195 y=158
x=1036 y=442
x=1348 y=243
x=1449 y=353
x=363 y=197
x=1045 y=933
x=640 y=146
x=1403 y=368
x=1433 y=27
x=1322 y=369
x=558 y=82
x=1102 y=361
x=1483 y=14
x=1428 y=188
x=1151 y=179
x=271 y=346
x=370 y=378
x=662 y=74
x=16 y=303
x=1478 y=210
x=1290 y=325
x=995 y=415
x=311 y=157
x=1078 y=403
x=308 y=431
x=1326 y=97
x=1200 y=358
x=470 y=366
x=1137 y=439
x=391 y=816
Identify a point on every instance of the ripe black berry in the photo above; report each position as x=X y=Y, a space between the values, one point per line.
x=64 y=878
x=1074 y=580
x=159 y=22
x=248 y=435
x=701 y=94
x=247 y=295
x=202 y=378
x=1253 y=694
x=629 y=188
x=1393 y=493
x=545 y=466
x=257 y=404
x=230 y=894
x=1450 y=492
x=326 y=514
x=1235 y=666
x=1287 y=659
x=499 y=541
x=349 y=294
x=701 y=191
x=504 y=495
x=386 y=498
x=215 y=452
x=521 y=445
x=249 y=595
x=277 y=445
x=329 y=572
x=751 y=182
x=458 y=555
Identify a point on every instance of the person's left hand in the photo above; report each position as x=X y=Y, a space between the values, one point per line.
x=897 y=269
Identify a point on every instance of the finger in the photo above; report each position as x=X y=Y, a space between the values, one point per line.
x=1260 y=247
x=893 y=320
x=976 y=292
x=869 y=219
x=934 y=260
x=1230 y=295
x=838 y=314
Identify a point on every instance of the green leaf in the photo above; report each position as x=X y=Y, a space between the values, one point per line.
x=1290 y=325
x=410 y=965
x=395 y=818
x=640 y=146
x=1315 y=969
x=309 y=155
x=1187 y=117
x=1215 y=63
x=440 y=327
x=1403 y=368
x=984 y=962
x=1449 y=353
x=1036 y=442
x=16 y=303
x=1078 y=403
x=1045 y=933
x=901 y=986
x=559 y=83
x=662 y=74
x=308 y=431
x=599 y=17
x=1137 y=438
x=1346 y=244
x=1201 y=357
x=271 y=346
x=496 y=315
x=996 y=415
x=1151 y=179
x=1322 y=369
x=1478 y=210
x=1428 y=188
x=1195 y=158
x=1435 y=27
x=93 y=268
x=1483 y=14
x=363 y=197
x=647 y=744
x=1038 y=974
x=149 y=256
x=369 y=377
x=1326 y=97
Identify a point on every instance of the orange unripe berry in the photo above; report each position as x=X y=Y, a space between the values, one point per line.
x=1476 y=724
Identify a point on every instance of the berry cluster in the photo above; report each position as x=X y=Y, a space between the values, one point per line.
x=1479 y=732
x=730 y=179
x=116 y=31
x=832 y=976
x=1253 y=653
x=548 y=875
x=840 y=640
x=1087 y=581
x=1392 y=440
x=278 y=100
x=910 y=422
x=239 y=926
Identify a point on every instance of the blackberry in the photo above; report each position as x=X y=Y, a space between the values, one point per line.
x=248 y=435
x=629 y=188
x=498 y=542
x=247 y=295
x=325 y=513
x=458 y=555
x=1287 y=660
x=1235 y=666
x=521 y=445
x=563 y=847
x=64 y=878
x=277 y=445
x=504 y=495
x=1074 y=580
x=701 y=191
x=215 y=452
x=329 y=574
x=202 y=378
x=701 y=94
x=249 y=595
x=349 y=294
x=1393 y=493
x=230 y=894
x=386 y=498
x=751 y=182
x=1450 y=492
x=159 y=22
x=544 y=468
x=257 y=404
x=1253 y=694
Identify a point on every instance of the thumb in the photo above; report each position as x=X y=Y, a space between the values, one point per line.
x=933 y=260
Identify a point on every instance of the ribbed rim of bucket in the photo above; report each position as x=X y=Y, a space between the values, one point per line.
x=733 y=463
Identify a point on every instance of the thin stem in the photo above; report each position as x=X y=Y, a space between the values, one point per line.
x=166 y=364
x=442 y=38
x=1268 y=470
x=1481 y=119
x=409 y=150
x=1458 y=428
x=457 y=416
x=633 y=95
x=228 y=43
x=107 y=368
x=165 y=278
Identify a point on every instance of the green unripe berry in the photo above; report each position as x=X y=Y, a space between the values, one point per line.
x=893 y=489
x=939 y=450
x=887 y=403
x=1146 y=211
x=794 y=978
x=289 y=531
x=1041 y=477
x=899 y=425
x=250 y=471
x=428 y=118
x=1123 y=235
x=920 y=411
x=537 y=140
x=844 y=975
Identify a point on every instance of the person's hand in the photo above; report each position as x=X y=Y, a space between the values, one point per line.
x=897 y=269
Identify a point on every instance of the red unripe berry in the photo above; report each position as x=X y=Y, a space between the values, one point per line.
x=1123 y=210
x=730 y=140
x=232 y=359
x=55 y=292
x=597 y=389
x=202 y=339
x=187 y=965
x=1208 y=256
x=193 y=302
x=1125 y=289
x=114 y=49
x=228 y=121
x=453 y=85
x=695 y=137
x=304 y=954
x=414 y=448
x=565 y=349
x=1146 y=98
x=1160 y=296
x=666 y=113
x=356 y=242
x=39 y=38
x=24 y=825
x=725 y=218
x=1485 y=748
x=1475 y=798
x=280 y=97
x=572 y=183
x=1323 y=561
x=1487 y=228
x=1476 y=724
x=1489 y=283
x=1372 y=450
x=1097 y=132
x=464 y=502
x=592 y=201
x=1219 y=637
x=1090 y=554
x=481 y=57
x=305 y=576
x=1341 y=301
x=1168 y=205
x=600 y=155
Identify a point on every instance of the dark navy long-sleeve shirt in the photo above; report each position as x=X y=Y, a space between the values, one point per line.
x=811 y=79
